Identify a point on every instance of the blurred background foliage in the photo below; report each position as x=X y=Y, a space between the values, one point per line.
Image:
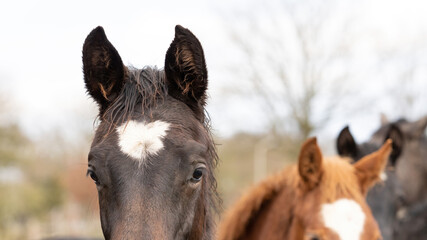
x=246 y=158
x=43 y=188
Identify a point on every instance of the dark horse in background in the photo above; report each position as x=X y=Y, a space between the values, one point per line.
x=152 y=158
x=400 y=203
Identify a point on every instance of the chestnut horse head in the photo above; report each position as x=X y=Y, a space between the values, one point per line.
x=317 y=198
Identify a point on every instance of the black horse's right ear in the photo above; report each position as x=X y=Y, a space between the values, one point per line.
x=103 y=69
x=346 y=146
x=396 y=136
x=418 y=128
x=186 y=73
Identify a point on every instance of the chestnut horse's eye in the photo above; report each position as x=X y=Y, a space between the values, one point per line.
x=312 y=236
x=93 y=176
x=197 y=175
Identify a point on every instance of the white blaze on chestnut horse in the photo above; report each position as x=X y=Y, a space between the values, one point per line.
x=316 y=199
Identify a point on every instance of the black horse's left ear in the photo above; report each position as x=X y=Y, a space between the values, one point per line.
x=186 y=73
x=103 y=69
x=346 y=146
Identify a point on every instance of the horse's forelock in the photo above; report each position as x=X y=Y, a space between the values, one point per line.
x=339 y=180
x=143 y=86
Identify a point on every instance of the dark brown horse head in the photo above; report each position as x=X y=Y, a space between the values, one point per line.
x=408 y=156
x=407 y=173
x=383 y=199
x=152 y=158
x=411 y=169
x=411 y=172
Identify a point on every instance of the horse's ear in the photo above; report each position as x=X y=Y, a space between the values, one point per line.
x=310 y=164
x=383 y=119
x=419 y=127
x=396 y=136
x=103 y=68
x=186 y=73
x=370 y=167
x=346 y=146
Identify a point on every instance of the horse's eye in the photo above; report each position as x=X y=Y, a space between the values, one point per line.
x=312 y=236
x=197 y=174
x=93 y=176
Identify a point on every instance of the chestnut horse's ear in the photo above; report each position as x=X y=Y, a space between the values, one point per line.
x=396 y=136
x=186 y=73
x=370 y=167
x=310 y=164
x=346 y=146
x=103 y=68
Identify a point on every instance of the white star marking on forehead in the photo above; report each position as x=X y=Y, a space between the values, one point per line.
x=383 y=176
x=345 y=217
x=139 y=139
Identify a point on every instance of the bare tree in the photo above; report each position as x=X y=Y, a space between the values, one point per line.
x=295 y=62
x=404 y=71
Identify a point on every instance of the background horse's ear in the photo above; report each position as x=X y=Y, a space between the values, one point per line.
x=418 y=128
x=103 y=68
x=370 y=168
x=396 y=136
x=383 y=119
x=310 y=164
x=346 y=146
x=186 y=73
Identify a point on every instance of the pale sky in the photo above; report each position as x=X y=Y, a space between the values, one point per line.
x=41 y=42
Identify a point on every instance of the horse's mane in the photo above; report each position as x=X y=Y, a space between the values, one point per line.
x=235 y=222
x=338 y=180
